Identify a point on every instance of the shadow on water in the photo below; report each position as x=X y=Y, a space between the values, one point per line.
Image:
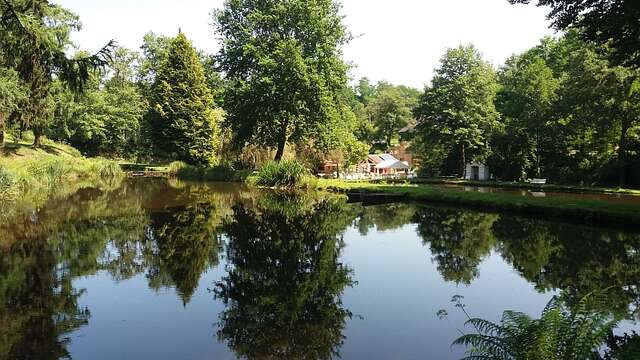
x=283 y=277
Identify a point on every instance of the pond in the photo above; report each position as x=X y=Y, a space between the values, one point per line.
x=158 y=269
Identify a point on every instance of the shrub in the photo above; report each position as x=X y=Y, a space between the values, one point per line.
x=562 y=332
x=284 y=174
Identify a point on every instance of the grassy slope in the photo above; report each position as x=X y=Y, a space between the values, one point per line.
x=27 y=173
x=592 y=211
x=23 y=150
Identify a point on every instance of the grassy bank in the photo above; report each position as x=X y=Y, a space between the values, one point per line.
x=590 y=211
x=30 y=173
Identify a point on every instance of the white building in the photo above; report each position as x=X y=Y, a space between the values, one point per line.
x=476 y=171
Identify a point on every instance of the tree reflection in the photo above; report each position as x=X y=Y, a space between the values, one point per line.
x=575 y=259
x=459 y=240
x=385 y=217
x=39 y=304
x=187 y=244
x=284 y=283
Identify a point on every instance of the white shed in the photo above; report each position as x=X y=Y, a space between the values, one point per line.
x=476 y=171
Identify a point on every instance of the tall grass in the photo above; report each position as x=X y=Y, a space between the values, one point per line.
x=46 y=173
x=284 y=174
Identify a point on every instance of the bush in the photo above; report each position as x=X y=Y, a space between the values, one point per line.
x=284 y=174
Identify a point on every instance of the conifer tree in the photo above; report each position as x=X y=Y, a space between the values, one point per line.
x=182 y=118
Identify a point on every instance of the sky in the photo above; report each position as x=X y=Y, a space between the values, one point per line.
x=399 y=41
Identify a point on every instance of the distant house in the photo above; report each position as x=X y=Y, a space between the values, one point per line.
x=384 y=164
x=477 y=171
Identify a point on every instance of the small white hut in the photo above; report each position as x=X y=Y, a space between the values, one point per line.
x=477 y=171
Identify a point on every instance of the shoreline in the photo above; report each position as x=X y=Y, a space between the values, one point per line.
x=584 y=211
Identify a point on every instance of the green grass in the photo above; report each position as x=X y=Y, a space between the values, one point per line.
x=592 y=211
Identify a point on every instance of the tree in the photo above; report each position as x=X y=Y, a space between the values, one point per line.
x=11 y=94
x=105 y=118
x=184 y=123
x=457 y=111
x=155 y=49
x=282 y=61
x=34 y=36
x=526 y=99
x=391 y=110
x=603 y=22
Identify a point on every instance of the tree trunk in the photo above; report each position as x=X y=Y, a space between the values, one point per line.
x=463 y=163
x=37 y=137
x=622 y=154
x=282 y=142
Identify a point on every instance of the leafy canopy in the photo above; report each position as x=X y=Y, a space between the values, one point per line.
x=282 y=60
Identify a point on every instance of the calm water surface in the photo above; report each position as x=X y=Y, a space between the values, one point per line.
x=167 y=270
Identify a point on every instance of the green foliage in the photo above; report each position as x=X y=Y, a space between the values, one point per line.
x=106 y=118
x=34 y=38
x=12 y=93
x=569 y=115
x=526 y=99
x=391 y=109
x=184 y=124
x=283 y=174
x=604 y=22
x=457 y=113
x=293 y=85
x=561 y=333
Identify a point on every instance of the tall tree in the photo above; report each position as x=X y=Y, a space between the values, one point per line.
x=184 y=123
x=283 y=62
x=457 y=111
x=603 y=21
x=34 y=36
x=526 y=100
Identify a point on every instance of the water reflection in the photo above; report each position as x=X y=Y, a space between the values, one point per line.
x=280 y=258
x=285 y=281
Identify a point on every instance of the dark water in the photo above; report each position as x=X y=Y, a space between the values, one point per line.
x=157 y=270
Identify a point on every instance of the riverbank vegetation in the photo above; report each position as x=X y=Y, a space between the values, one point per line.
x=38 y=173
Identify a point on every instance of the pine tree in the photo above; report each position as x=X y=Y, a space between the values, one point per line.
x=182 y=118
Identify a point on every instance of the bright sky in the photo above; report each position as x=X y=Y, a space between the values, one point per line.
x=400 y=41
